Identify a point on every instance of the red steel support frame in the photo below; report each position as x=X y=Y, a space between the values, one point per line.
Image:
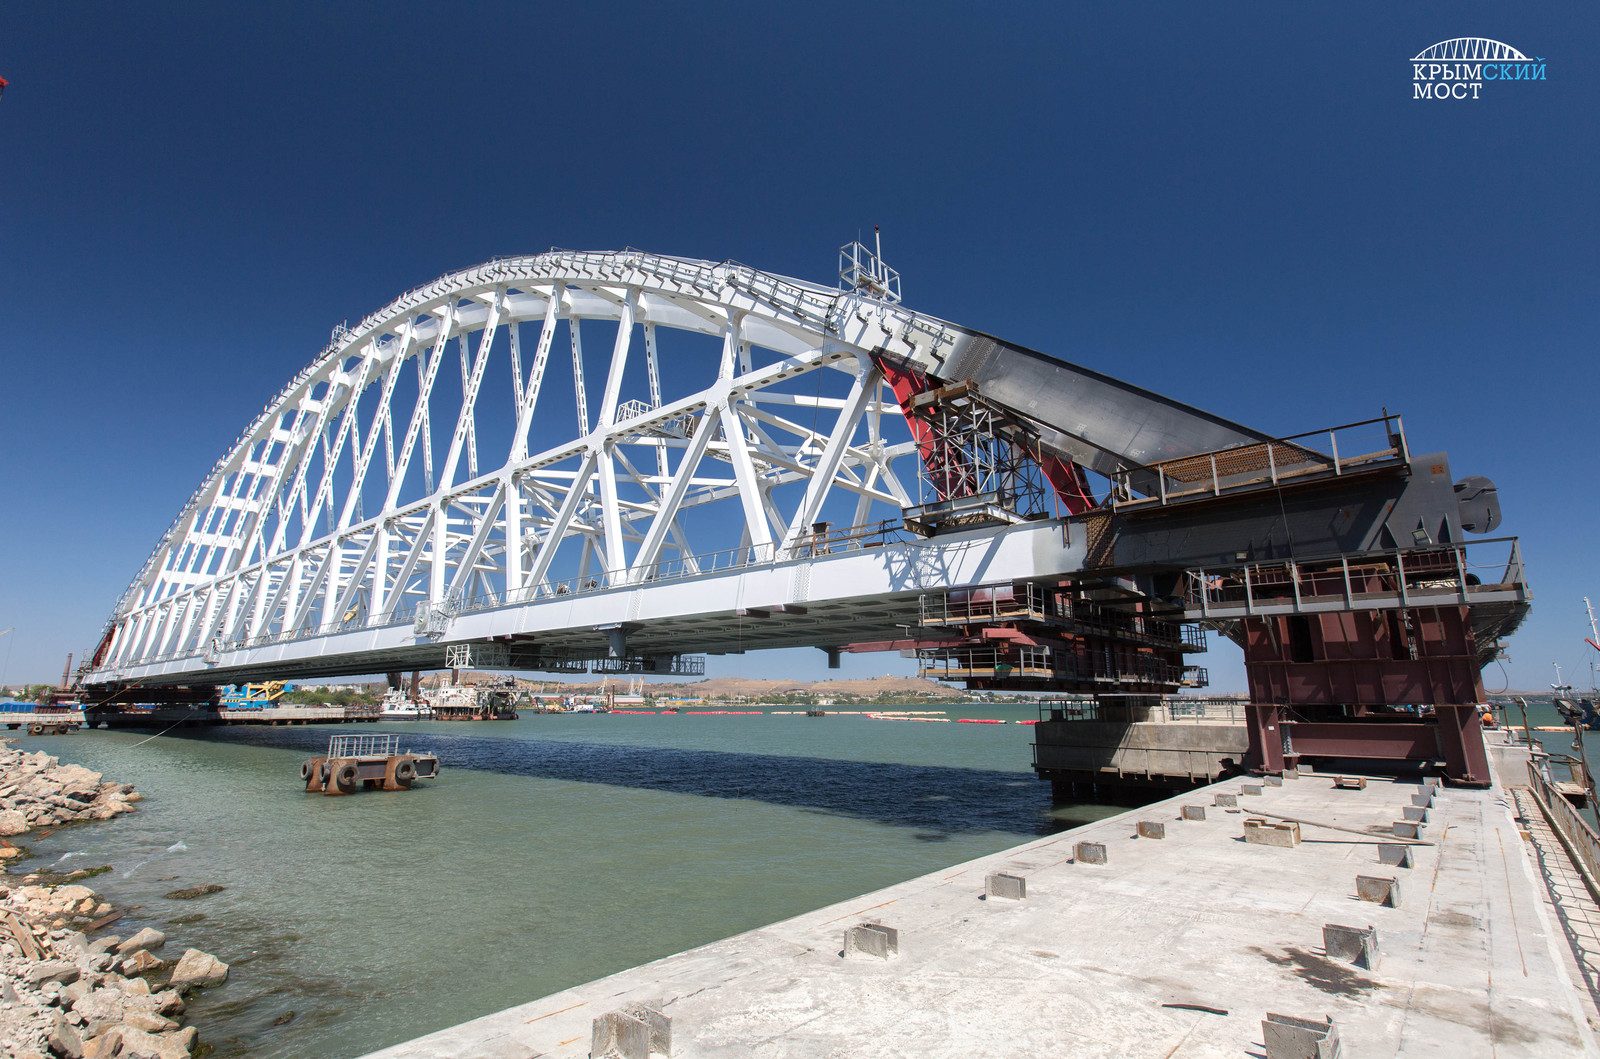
x=1353 y=682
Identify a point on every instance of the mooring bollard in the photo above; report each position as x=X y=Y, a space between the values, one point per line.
x=1394 y=853
x=1194 y=812
x=1089 y=853
x=872 y=939
x=1287 y=1037
x=1152 y=829
x=1356 y=945
x=1010 y=887
x=1378 y=889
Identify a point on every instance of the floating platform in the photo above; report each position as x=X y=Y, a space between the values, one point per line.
x=163 y=716
x=1175 y=930
x=373 y=762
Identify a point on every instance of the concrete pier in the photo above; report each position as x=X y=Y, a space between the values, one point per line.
x=1181 y=943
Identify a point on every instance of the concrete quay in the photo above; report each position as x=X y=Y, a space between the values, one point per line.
x=1176 y=946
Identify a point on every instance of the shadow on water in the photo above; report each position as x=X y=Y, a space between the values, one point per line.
x=938 y=801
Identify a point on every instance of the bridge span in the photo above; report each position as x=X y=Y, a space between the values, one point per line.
x=744 y=461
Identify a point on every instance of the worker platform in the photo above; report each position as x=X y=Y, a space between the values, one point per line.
x=1224 y=922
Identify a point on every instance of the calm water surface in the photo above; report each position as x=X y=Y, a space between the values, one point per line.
x=553 y=850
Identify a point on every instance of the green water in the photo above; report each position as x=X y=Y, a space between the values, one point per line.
x=553 y=850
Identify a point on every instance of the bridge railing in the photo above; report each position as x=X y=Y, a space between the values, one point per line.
x=1576 y=834
x=1335 y=451
x=1477 y=571
x=823 y=540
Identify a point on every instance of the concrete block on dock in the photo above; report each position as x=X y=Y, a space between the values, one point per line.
x=1394 y=853
x=1226 y=800
x=1089 y=853
x=1423 y=800
x=617 y=1035
x=1350 y=783
x=1259 y=832
x=1407 y=829
x=1292 y=772
x=1010 y=887
x=1250 y=788
x=1287 y=1037
x=872 y=939
x=1380 y=890
x=1194 y=812
x=1416 y=815
x=1272 y=781
x=1355 y=945
x=1152 y=829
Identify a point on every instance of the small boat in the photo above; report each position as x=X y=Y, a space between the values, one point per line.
x=396 y=707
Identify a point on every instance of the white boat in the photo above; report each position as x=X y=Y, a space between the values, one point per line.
x=396 y=707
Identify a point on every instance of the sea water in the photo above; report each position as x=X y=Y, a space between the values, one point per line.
x=552 y=850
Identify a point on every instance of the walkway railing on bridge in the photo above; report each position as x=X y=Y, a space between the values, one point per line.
x=1577 y=835
x=1473 y=572
x=1333 y=452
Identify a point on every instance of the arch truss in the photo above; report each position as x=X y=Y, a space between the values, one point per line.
x=468 y=447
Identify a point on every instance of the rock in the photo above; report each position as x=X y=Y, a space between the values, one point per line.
x=137 y=1044
x=75 y=781
x=148 y=1022
x=141 y=962
x=8 y=852
x=13 y=822
x=72 y=993
x=74 y=942
x=65 y=1042
x=178 y=1045
x=169 y=1002
x=145 y=939
x=105 y=944
x=191 y=892
x=51 y=971
x=196 y=968
x=136 y=987
x=104 y=1046
x=101 y=1005
x=135 y=797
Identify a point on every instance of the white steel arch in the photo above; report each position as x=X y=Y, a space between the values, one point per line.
x=1469 y=49
x=366 y=495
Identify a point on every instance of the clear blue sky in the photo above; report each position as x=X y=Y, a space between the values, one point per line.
x=1237 y=204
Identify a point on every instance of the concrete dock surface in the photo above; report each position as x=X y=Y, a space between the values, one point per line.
x=1176 y=946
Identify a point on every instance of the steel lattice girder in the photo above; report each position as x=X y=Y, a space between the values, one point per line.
x=276 y=546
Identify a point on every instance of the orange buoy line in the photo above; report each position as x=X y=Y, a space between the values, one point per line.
x=978 y=720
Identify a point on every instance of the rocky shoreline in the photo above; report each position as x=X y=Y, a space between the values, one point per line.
x=64 y=991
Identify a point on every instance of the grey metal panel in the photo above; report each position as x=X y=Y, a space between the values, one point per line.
x=1103 y=423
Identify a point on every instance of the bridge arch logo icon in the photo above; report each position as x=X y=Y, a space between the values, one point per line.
x=1457 y=68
